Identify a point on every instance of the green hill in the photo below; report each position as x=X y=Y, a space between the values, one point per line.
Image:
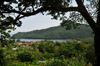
x=57 y=32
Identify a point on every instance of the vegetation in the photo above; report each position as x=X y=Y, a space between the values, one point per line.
x=89 y=13
x=88 y=40
x=58 y=32
x=48 y=53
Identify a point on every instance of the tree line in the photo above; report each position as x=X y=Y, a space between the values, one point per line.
x=58 y=32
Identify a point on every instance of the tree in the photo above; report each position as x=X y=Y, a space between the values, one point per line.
x=56 y=8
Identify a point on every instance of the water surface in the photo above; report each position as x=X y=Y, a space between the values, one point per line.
x=54 y=40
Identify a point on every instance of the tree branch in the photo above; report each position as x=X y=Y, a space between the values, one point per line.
x=86 y=15
x=42 y=10
x=11 y=11
x=50 y=8
x=79 y=3
x=17 y=16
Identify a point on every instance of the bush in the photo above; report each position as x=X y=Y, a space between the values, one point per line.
x=57 y=43
x=48 y=55
x=90 y=55
x=55 y=62
x=42 y=48
x=50 y=49
x=79 y=47
x=67 y=50
x=2 y=60
x=25 y=57
x=46 y=48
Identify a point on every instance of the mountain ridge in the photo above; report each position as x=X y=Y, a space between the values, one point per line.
x=56 y=32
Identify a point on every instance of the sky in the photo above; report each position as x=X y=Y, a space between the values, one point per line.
x=36 y=22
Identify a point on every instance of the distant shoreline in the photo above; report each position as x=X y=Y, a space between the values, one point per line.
x=41 y=38
x=54 y=40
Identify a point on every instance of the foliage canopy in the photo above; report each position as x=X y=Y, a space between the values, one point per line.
x=11 y=11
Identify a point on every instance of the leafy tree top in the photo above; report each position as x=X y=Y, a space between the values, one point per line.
x=57 y=8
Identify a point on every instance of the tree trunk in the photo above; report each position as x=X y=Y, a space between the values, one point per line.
x=97 y=48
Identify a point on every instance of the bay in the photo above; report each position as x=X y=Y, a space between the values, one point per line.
x=54 y=40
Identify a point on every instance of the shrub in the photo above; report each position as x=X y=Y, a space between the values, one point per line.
x=46 y=48
x=55 y=62
x=25 y=57
x=80 y=47
x=2 y=60
x=42 y=48
x=48 y=55
x=35 y=47
x=90 y=55
x=50 y=49
x=57 y=43
x=67 y=50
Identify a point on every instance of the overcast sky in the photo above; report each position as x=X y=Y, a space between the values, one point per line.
x=36 y=22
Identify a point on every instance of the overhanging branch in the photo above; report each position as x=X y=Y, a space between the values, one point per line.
x=11 y=11
x=50 y=8
x=44 y=9
x=16 y=17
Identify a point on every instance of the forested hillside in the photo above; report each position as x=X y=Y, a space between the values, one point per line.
x=57 y=32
